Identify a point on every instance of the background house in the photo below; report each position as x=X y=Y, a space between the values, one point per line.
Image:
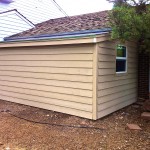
x=76 y=68
x=13 y=22
x=35 y=10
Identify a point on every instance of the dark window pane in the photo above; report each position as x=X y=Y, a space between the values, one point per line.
x=121 y=51
x=120 y=65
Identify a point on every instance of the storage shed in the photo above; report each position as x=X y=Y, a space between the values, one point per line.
x=80 y=73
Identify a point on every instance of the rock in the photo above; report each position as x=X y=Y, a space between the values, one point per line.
x=104 y=136
x=133 y=127
x=84 y=122
x=121 y=118
x=7 y=148
x=146 y=115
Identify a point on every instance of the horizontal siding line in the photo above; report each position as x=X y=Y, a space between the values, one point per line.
x=49 y=82
x=16 y=28
x=13 y=21
x=44 y=54
x=49 y=107
x=99 y=102
x=48 y=66
x=44 y=78
x=116 y=80
x=101 y=73
x=52 y=97
x=46 y=91
x=21 y=28
x=45 y=103
x=115 y=108
x=114 y=61
x=128 y=57
x=101 y=55
x=45 y=60
x=46 y=72
x=111 y=104
x=79 y=64
x=107 y=60
x=106 y=48
x=134 y=67
x=118 y=103
x=78 y=78
x=106 y=54
x=67 y=83
x=118 y=85
x=47 y=85
x=130 y=54
x=117 y=75
x=115 y=92
x=49 y=60
x=40 y=51
x=115 y=67
x=58 y=50
x=52 y=12
x=3 y=32
x=50 y=90
x=7 y=25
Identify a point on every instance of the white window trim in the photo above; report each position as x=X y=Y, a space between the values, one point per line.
x=123 y=58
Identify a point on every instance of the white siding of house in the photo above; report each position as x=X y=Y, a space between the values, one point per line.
x=36 y=11
x=115 y=91
x=13 y=23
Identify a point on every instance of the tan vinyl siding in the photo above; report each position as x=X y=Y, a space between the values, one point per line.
x=115 y=91
x=73 y=76
x=58 y=78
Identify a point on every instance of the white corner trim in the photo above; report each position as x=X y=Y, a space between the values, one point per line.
x=94 y=40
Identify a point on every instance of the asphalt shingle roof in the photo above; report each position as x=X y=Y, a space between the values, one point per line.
x=89 y=21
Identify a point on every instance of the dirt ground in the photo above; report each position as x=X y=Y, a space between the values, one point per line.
x=111 y=132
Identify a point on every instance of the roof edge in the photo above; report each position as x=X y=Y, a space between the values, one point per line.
x=75 y=34
x=63 y=41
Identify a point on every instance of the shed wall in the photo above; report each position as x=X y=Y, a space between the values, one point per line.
x=115 y=91
x=58 y=78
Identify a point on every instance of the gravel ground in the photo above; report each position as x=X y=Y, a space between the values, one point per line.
x=110 y=133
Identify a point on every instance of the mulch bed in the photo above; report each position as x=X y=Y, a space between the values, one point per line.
x=28 y=128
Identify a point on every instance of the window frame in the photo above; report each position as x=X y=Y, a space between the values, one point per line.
x=122 y=58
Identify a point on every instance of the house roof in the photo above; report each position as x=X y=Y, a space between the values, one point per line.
x=91 y=21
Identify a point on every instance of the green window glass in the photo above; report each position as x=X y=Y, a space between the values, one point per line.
x=121 y=59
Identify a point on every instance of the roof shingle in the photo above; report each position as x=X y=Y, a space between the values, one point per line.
x=89 y=21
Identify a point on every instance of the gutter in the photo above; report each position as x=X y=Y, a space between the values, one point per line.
x=65 y=35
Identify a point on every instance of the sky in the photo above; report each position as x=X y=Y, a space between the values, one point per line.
x=76 y=7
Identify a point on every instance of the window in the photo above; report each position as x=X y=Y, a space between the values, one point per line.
x=121 y=59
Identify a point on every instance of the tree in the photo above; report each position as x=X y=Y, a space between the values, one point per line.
x=130 y=20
